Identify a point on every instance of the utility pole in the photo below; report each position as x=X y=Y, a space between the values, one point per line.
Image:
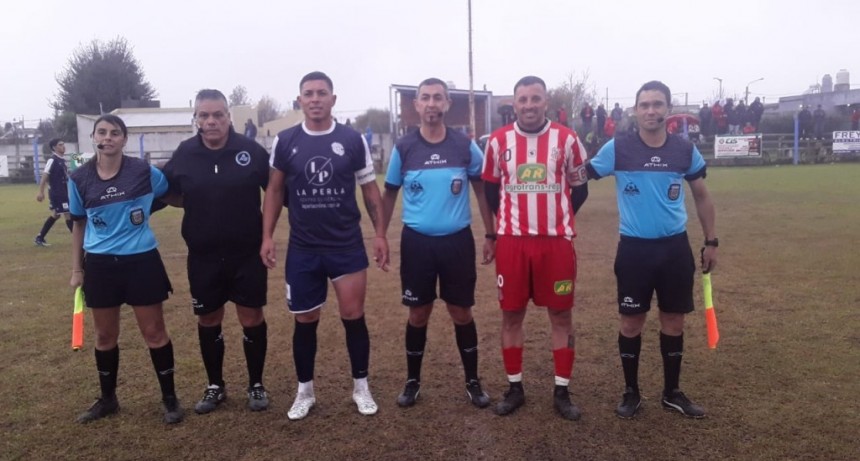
x=471 y=80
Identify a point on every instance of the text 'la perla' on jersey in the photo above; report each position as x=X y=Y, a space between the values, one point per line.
x=220 y=193
x=649 y=182
x=322 y=169
x=435 y=180
x=532 y=171
x=116 y=209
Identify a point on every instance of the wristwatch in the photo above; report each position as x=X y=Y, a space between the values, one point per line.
x=712 y=243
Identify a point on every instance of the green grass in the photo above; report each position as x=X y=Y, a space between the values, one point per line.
x=781 y=386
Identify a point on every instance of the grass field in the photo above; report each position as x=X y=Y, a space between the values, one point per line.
x=783 y=384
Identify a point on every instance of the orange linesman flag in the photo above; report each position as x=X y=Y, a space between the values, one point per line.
x=710 y=313
x=78 y=320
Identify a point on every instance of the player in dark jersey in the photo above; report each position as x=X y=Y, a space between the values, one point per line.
x=435 y=165
x=56 y=176
x=322 y=161
x=110 y=201
x=217 y=177
x=650 y=167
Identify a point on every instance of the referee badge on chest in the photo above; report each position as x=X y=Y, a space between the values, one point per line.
x=136 y=216
x=674 y=191
x=456 y=186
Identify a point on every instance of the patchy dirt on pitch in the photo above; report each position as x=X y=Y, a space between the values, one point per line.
x=781 y=386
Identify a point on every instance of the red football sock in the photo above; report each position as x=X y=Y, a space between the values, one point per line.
x=513 y=358
x=563 y=360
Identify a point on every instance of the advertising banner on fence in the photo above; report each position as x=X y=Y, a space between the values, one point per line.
x=4 y=166
x=846 y=142
x=748 y=145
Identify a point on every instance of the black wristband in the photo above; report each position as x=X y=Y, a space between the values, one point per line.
x=712 y=243
x=490 y=236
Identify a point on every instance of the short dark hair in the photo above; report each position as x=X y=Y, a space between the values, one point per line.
x=530 y=80
x=53 y=143
x=113 y=120
x=433 y=81
x=212 y=95
x=317 y=75
x=656 y=85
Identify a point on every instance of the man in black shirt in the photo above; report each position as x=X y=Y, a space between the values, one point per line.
x=217 y=176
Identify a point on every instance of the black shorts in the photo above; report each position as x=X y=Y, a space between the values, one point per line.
x=216 y=279
x=643 y=266
x=136 y=280
x=448 y=258
x=58 y=203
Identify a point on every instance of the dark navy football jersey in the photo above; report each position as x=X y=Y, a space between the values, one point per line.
x=322 y=170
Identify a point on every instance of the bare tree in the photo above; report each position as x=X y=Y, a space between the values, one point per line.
x=572 y=94
x=268 y=109
x=239 y=96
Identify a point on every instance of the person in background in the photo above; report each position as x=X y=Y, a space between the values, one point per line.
x=56 y=177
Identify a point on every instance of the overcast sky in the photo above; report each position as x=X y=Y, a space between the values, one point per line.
x=365 y=46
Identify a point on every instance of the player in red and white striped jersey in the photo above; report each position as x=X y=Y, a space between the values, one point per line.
x=534 y=171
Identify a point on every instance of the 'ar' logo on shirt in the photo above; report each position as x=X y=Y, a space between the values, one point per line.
x=318 y=171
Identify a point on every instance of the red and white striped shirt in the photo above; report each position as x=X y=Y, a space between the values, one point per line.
x=534 y=172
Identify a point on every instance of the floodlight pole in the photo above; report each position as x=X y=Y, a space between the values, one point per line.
x=721 y=87
x=471 y=80
x=747 y=94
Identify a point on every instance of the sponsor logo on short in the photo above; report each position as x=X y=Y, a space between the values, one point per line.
x=337 y=148
x=627 y=303
x=674 y=191
x=531 y=172
x=563 y=287
x=408 y=296
x=243 y=158
x=436 y=159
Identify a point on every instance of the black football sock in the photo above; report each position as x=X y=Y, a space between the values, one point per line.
x=107 y=364
x=467 y=344
x=358 y=346
x=162 y=361
x=416 y=339
x=212 y=350
x=255 y=344
x=629 y=349
x=49 y=223
x=672 y=349
x=305 y=349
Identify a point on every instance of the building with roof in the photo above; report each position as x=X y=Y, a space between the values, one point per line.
x=404 y=116
x=153 y=133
